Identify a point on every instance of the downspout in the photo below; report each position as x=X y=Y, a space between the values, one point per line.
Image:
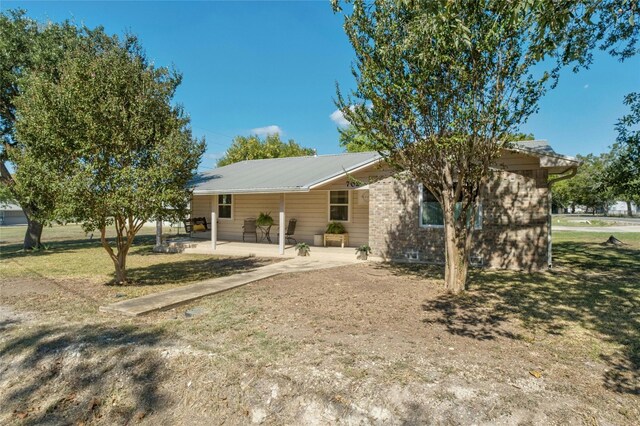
x=573 y=170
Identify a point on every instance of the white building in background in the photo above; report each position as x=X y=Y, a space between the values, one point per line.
x=620 y=208
x=11 y=214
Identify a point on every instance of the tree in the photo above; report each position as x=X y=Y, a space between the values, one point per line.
x=26 y=45
x=440 y=85
x=253 y=148
x=623 y=172
x=354 y=141
x=103 y=142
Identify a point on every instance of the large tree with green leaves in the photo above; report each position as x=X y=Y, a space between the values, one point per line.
x=440 y=84
x=590 y=187
x=623 y=171
x=26 y=45
x=253 y=148
x=102 y=141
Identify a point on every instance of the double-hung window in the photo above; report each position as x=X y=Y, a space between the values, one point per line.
x=431 y=214
x=225 y=206
x=339 y=206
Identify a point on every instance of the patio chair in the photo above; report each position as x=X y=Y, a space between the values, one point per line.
x=291 y=229
x=250 y=228
x=195 y=224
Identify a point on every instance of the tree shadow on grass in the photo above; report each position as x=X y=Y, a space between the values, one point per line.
x=72 y=375
x=593 y=286
x=193 y=270
x=14 y=251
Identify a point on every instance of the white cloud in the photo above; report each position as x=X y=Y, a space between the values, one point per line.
x=267 y=130
x=213 y=155
x=586 y=86
x=338 y=118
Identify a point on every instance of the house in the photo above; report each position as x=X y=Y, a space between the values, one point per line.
x=620 y=208
x=398 y=218
x=12 y=214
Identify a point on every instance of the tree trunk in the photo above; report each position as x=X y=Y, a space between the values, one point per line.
x=456 y=269
x=456 y=255
x=120 y=263
x=629 y=209
x=34 y=228
x=32 y=235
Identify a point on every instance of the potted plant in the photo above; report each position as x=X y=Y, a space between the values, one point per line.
x=303 y=249
x=264 y=219
x=335 y=228
x=363 y=251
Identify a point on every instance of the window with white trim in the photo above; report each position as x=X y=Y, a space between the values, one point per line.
x=431 y=214
x=225 y=206
x=339 y=206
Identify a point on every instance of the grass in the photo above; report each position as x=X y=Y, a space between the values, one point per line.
x=74 y=264
x=590 y=301
x=586 y=221
x=378 y=326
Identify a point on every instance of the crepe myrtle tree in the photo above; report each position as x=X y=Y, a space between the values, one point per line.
x=440 y=85
x=105 y=143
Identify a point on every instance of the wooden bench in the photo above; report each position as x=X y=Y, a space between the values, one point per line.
x=342 y=238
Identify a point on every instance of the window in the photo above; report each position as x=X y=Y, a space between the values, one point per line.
x=225 y=202
x=339 y=206
x=431 y=215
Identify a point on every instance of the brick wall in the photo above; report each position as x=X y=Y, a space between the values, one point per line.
x=514 y=226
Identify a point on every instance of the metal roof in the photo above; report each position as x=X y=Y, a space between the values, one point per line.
x=289 y=174
x=293 y=174
x=539 y=148
x=10 y=207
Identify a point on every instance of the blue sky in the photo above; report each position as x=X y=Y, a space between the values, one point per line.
x=249 y=66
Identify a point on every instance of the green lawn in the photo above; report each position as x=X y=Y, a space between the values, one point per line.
x=76 y=263
x=586 y=221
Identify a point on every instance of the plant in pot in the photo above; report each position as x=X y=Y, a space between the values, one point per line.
x=335 y=228
x=303 y=249
x=363 y=251
x=264 y=219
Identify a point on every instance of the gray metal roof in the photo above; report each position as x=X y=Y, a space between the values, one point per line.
x=279 y=174
x=539 y=148
x=10 y=207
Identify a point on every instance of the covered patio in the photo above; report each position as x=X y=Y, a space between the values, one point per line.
x=311 y=192
x=238 y=248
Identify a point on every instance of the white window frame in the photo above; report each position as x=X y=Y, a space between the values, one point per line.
x=349 y=205
x=477 y=223
x=233 y=197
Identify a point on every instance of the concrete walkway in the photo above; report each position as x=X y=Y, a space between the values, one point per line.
x=180 y=295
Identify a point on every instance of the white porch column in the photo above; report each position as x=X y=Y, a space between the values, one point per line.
x=158 y=233
x=281 y=228
x=214 y=229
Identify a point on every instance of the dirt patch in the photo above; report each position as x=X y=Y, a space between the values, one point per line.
x=362 y=344
x=26 y=286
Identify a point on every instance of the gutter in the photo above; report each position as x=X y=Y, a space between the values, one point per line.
x=250 y=191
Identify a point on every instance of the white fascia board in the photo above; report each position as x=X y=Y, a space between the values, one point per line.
x=249 y=191
x=335 y=176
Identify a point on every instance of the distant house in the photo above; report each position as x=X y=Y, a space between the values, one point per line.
x=398 y=218
x=11 y=214
x=621 y=208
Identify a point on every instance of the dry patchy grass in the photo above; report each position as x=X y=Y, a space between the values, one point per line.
x=360 y=344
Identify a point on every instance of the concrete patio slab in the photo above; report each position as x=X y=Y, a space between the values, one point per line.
x=177 y=296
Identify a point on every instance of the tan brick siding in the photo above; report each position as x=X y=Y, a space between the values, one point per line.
x=514 y=228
